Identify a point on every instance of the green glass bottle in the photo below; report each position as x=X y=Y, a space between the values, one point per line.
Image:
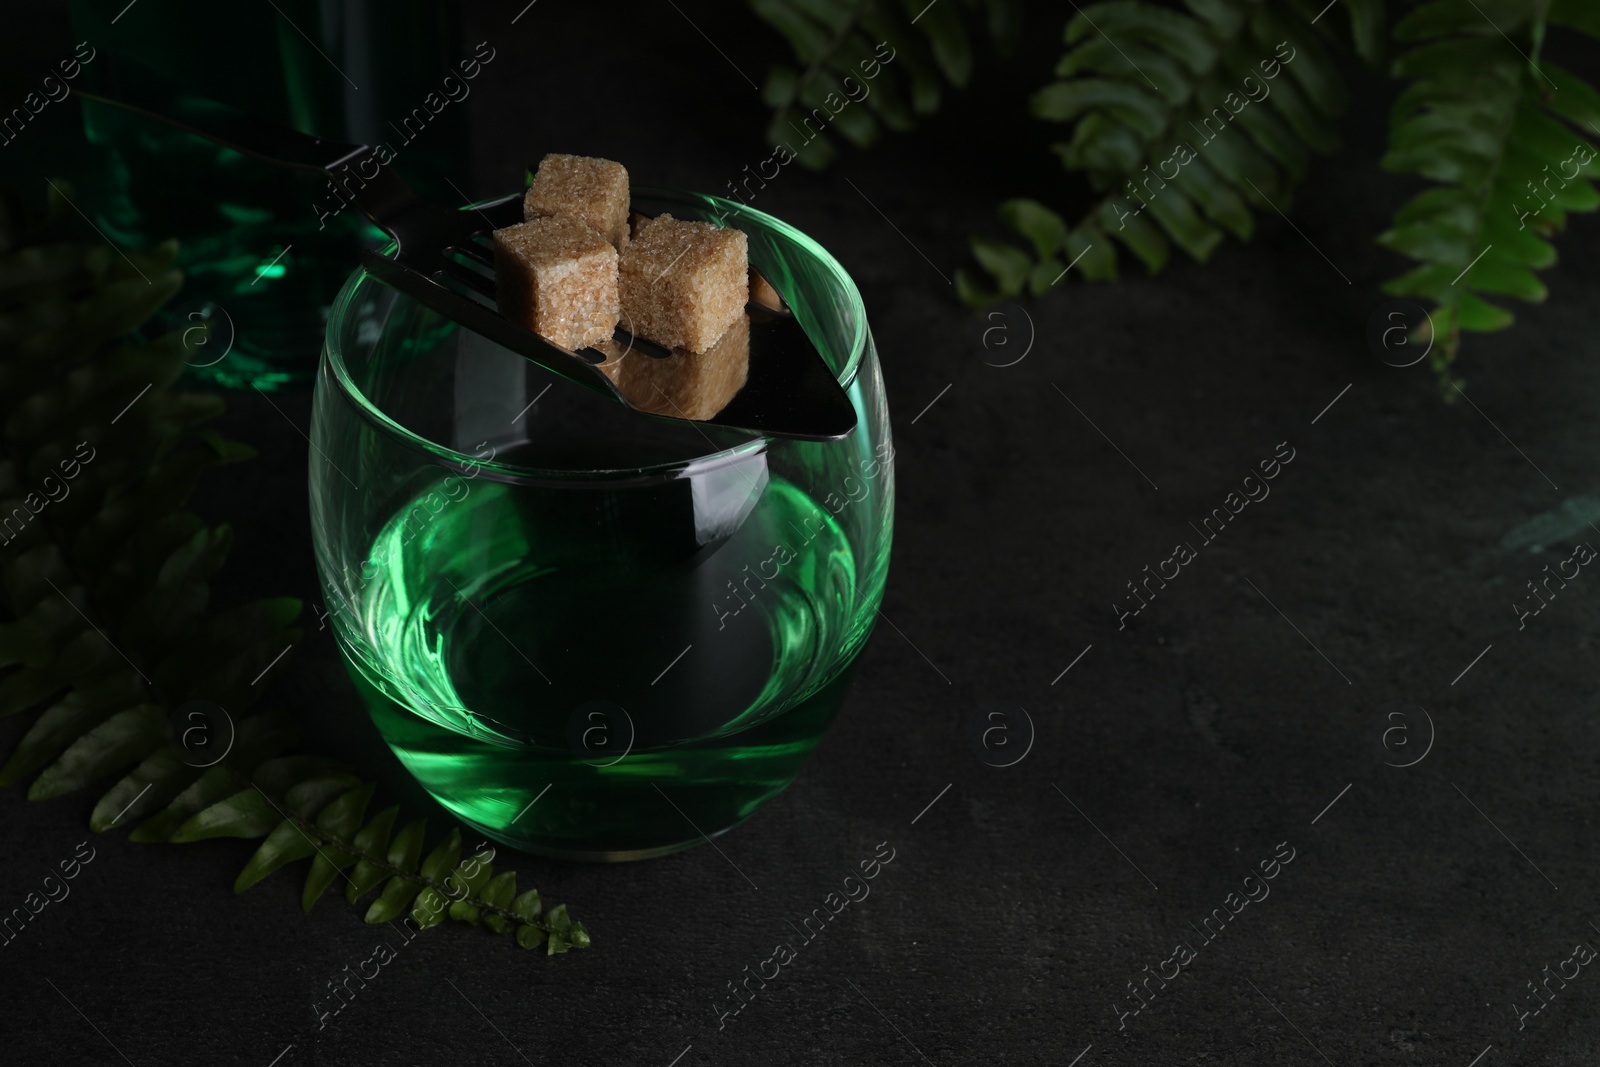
x=268 y=247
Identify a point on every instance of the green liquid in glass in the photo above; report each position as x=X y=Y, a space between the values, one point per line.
x=489 y=626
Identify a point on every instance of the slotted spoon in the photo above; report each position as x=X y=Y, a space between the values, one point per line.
x=438 y=260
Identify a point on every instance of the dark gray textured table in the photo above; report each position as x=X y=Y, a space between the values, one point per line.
x=1238 y=716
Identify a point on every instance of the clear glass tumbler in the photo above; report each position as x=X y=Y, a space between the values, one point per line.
x=591 y=633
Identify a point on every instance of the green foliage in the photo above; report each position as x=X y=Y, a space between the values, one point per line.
x=1504 y=133
x=106 y=629
x=898 y=55
x=1152 y=95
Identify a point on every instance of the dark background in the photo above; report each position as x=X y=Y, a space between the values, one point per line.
x=1221 y=722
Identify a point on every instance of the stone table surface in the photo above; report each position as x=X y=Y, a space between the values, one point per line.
x=1241 y=716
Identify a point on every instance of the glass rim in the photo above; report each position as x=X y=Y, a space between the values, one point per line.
x=333 y=358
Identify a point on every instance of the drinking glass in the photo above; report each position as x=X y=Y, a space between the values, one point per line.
x=588 y=632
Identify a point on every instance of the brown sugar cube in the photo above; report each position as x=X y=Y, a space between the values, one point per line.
x=595 y=190
x=762 y=293
x=684 y=283
x=689 y=385
x=557 y=277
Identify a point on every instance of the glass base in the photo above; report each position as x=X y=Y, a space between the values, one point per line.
x=549 y=801
x=576 y=855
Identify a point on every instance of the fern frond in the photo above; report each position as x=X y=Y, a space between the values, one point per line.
x=1505 y=133
x=106 y=631
x=1368 y=24
x=897 y=55
x=1153 y=95
x=322 y=817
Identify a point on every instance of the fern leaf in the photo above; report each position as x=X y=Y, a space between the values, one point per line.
x=869 y=64
x=428 y=909
x=1506 y=135
x=342 y=819
x=1368 y=25
x=498 y=893
x=247 y=813
x=286 y=843
x=372 y=840
x=404 y=853
x=1153 y=96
